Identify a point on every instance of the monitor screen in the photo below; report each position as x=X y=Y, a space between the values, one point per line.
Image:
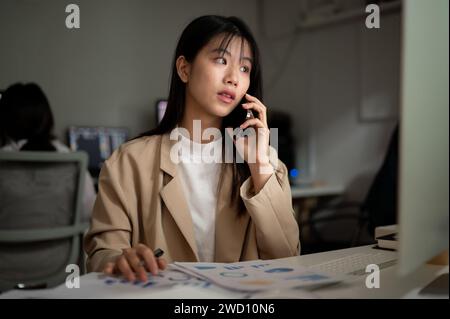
x=424 y=155
x=161 y=106
x=98 y=142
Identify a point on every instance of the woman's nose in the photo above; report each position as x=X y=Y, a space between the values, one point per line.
x=231 y=78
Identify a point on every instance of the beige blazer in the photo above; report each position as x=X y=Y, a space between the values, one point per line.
x=141 y=200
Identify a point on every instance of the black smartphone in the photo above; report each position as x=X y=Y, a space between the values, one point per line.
x=246 y=115
x=242 y=115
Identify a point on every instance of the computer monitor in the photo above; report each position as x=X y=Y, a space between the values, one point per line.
x=98 y=142
x=423 y=211
x=160 y=107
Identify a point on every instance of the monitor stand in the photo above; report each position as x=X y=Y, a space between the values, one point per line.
x=439 y=286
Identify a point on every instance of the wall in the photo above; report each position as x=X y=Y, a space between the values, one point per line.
x=111 y=71
x=321 y=87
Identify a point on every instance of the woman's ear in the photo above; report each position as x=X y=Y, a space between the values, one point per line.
x=183 y=68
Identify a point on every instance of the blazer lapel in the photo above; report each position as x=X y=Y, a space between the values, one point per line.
x=230 y=227
x=173 y=195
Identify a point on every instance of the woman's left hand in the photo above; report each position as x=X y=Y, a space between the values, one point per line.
x=255 y=151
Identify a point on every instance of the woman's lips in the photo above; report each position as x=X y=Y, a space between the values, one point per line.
x=225 y=98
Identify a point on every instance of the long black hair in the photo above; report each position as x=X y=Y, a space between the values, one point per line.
x=25 y=114
x=194 y=37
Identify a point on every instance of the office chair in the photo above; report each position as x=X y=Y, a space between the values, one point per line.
x=40 y=210
x=380 y=205
x=379 y=208
x=332 y=225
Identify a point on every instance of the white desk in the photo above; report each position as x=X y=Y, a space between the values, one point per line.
x=305 y=199
x=316 y=191
x=391 y=285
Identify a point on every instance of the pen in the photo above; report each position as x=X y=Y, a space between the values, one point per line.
x=158 y=252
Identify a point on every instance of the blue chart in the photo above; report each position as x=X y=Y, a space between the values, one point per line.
x=199 y=267
x=277 y=270
x=312 y=277
x=110 y=282
x=162 y=279
x=233 y=274
x=233 y=267
x=149 y=284
x=179 y=277
x=259 y=266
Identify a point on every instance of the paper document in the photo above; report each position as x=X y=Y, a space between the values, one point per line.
x=167 y=284
x=254 y=279
x=257 y=275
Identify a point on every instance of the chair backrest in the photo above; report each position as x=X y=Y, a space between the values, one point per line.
x=380 y=204
x=40 y=212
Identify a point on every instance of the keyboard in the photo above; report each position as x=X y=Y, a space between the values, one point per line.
x=356 y=264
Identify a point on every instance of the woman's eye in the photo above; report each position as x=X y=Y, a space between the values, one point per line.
x=221 y=61
x=245 y=69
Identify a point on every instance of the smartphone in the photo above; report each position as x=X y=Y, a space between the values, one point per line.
x=244 y=115
x=248 y=115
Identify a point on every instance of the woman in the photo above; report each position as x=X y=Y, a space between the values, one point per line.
x=26 y=124
x=196 y=210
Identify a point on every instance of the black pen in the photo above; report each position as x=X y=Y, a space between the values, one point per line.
x=158 y=252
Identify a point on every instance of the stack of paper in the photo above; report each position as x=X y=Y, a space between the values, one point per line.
x=256 y=275
x=167 y=284
x=388 y=242
x=255 y=279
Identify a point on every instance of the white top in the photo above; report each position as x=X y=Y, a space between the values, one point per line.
x=200 y=177
x=89 y=189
